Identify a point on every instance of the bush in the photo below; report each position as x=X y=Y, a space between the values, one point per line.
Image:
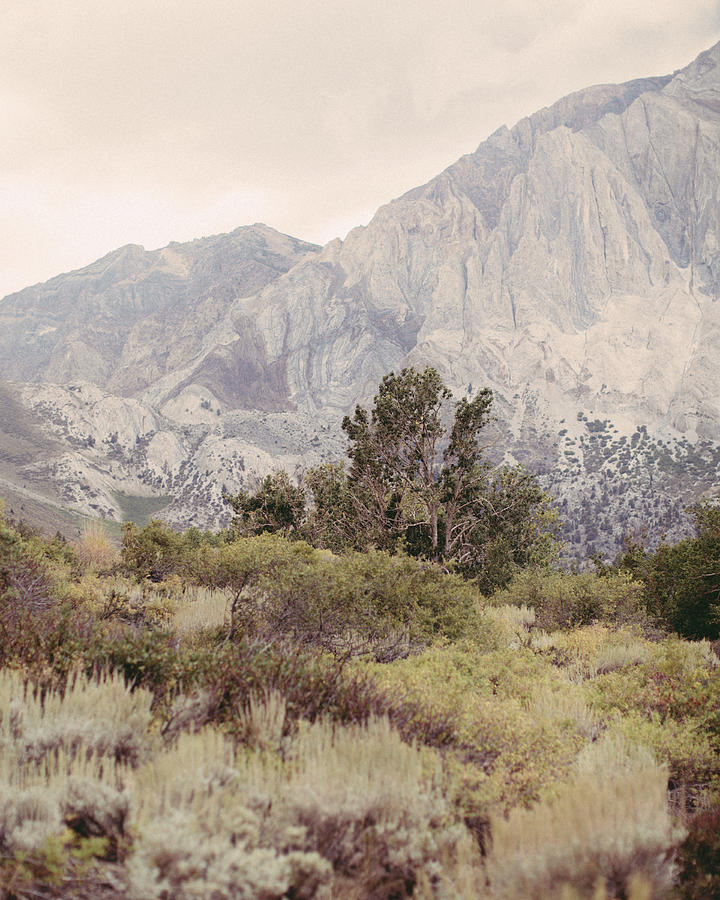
x=567 y=601
x=312 y=686
x=101 y=717
x=352 y=812
x=682 y=580
x=94 y=548
x=358 y=602
x=153 y=552
x=699 y=857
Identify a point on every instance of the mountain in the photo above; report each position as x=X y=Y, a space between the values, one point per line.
x=571 y=263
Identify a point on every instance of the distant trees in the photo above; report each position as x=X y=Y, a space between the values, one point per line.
x=417 y=480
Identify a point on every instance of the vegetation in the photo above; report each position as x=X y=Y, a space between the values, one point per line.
x=418 y=480
x=375 y=685
x=257 y=717
x=682 y=581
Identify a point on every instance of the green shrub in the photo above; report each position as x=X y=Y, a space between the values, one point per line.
x=682 y=581
x=568 y=601
x=358 y=602
x=153 y=552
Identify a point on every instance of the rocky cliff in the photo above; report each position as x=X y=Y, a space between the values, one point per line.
x=572 y=263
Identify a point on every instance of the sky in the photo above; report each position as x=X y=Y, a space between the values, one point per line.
x=147 y=121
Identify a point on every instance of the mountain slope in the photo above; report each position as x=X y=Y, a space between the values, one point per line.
x=571 y=263
x=132 y=316
x=562 y=250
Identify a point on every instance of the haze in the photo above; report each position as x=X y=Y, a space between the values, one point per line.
x=150 y=122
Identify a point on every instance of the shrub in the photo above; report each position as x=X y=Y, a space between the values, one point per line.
x=94 y=547
x=567 y=601
x=374 y=602
x=682 y=581
x=349 y=604
x=699 y=857
x=609 y=823
x=312 y=686
x=683 y=745
x=503 y=752
x=352 y=812
x=153 y=552
x=99 y=716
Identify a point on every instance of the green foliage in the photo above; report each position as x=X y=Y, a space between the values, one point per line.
x=357 y=602
x=682 y=580
x=333 y=523
x=510 y=527
x=566 y=601
x=153 y=552
x=417 y=480
x=253 y=750
x=401 y=479
x=414 y=480
x=157 y=552
x=245 y=568
x=277 y=506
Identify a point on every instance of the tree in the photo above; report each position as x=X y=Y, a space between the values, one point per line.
x=419 y=478
x=682 y=581
x=277 y=506
x=332 y=523
x=508 y=524
x=400 y=477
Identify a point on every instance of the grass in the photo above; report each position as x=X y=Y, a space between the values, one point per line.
x=201 y=609
x=250 y=766
x=610 y=823
x=139 y=509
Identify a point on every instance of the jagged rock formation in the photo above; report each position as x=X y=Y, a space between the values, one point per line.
x=571 y=263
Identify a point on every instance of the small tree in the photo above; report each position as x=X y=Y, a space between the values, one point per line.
x=682 y=581
x=402 y=477
x=332 y=523
x=419 y=475
x=417 y=479
x=277 y=506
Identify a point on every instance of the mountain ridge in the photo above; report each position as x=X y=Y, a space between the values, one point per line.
x=570 y=263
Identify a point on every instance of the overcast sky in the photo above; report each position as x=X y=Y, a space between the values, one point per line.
x=146 y=121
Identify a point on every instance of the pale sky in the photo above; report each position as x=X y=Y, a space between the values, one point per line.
x=146 y=121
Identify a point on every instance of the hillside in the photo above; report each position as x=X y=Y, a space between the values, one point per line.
x=570 y=263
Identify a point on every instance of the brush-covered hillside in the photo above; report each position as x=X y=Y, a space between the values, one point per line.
x=216 y=715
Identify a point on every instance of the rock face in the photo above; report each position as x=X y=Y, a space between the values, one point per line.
x=571 y=263
x=134 y=316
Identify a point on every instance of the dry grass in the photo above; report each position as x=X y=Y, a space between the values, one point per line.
x=102 y=717
x=351 y=811
x=263 y=720
x=512 y=624
x=608 y=825
x=94 y=547
x=201 y=609
x=561 y=706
